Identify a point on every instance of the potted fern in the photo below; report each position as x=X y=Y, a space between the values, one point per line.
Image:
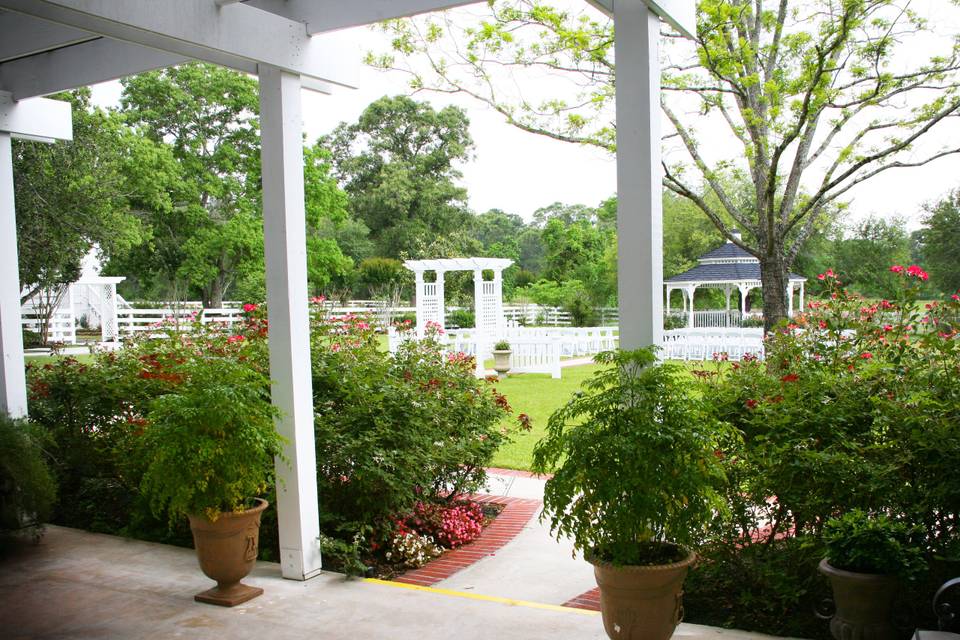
x=636 y=477
x=210 y=445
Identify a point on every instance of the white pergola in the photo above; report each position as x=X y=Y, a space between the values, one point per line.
x=48 y=46
x=487 y=294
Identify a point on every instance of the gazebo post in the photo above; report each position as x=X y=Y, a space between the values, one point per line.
x=666 y=311
x=744 y=292
x=285 y=250
x=692 y=289
x=802 y=307
x=790 y=300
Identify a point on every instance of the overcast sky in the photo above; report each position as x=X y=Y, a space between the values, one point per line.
x=519 y=172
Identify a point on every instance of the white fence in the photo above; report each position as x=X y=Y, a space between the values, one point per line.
x=133 y=321
x=61 y=327
x=702 y=344
x=712 y=318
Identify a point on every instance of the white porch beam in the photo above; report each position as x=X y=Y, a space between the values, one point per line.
x=639 y=198
x=39 y=118
x=25 y=36
x=80 y=65
x=285 y=246
x=681 y=14
x=234 y=36
x=330 y=15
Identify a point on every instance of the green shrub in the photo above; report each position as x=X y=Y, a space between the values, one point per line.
x=872 y=544
x=31 y=339
x=462 y=319
x=27 y=488
x=634 y=460
x=392 y=430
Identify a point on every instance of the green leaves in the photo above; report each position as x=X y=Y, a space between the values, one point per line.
x=634 y=458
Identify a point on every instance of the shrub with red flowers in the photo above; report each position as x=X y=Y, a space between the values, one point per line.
x=394 y=430
x=857 y=406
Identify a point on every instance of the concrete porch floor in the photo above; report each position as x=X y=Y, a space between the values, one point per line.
x=76 y=584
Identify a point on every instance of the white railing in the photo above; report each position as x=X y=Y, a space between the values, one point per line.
x=61 y=327
x=713 y=318
x=702 y=344
x=133 y=321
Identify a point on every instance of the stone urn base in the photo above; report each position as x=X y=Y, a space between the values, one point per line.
x=227 y=551
x=501 y=361
x=864 y=603
x=641 y=602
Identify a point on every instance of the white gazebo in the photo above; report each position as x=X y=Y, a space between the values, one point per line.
x=728 y=267
x=487 y=294
x=48 y=46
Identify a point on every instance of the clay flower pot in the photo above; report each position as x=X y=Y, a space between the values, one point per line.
x=641 y=602
x=227 y=551
x=864 y=602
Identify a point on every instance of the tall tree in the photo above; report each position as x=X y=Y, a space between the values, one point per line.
x=940 y=239
x=864 y=255
x=398 y=164
x=208 y=116
x=74 y=196
x=812 y=93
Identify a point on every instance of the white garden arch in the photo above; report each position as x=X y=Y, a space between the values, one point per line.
x=487 y=294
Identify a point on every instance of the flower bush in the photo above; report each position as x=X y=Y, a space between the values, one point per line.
x=452 y=525
x=412 y=550
x=857 y=406
x=392 y=431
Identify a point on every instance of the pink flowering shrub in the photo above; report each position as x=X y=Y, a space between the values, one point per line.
x=452 y=525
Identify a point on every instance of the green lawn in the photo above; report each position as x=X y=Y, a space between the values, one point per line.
x=537 y=395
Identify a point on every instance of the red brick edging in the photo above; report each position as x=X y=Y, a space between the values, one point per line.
x=515 y=515
x=589 y=600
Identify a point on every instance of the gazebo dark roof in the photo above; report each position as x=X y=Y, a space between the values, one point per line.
x=742 y=266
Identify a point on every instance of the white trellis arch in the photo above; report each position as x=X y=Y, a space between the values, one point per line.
x=488 y=294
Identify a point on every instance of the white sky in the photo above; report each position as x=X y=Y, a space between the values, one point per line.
x=520 y=172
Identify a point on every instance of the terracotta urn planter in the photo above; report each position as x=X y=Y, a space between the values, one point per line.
x=501 y=361
x=863 y=604
x=641 y=602
x=227 y=551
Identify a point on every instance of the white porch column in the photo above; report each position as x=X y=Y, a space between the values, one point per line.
x=441 y=300
x=744 y=292
x=802 y=305
x=285 y=250
x=667 y=309
x=13 y=384
x=639 y=204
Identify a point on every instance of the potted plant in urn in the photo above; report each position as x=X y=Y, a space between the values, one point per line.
x=210 y=445
x=636 y=477
x=866 y=558
x=501 y=357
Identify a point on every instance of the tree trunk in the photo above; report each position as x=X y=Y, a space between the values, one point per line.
x=774 y=278
x=214 y=294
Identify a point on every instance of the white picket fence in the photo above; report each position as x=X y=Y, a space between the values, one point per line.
x=133 y=321
x=702 y=344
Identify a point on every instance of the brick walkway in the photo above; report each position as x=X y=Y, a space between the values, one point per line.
x=516 y=513
x=589 y=601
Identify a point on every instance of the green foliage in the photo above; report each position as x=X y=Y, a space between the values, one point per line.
x=27 y=488
x=72 y=196
x=863 y=256
x=462 y=318
x=866 y=543
x=502 y=345
x=391 y=430
x=940 y=241
x=397 y=165
x=634 y=460
x=379 y=275
x=207 y=116
x=211 y=442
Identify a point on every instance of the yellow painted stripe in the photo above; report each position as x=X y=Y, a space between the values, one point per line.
x=478 y=596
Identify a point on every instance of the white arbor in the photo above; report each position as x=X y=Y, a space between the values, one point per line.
x=48 y=46
x=487 y=294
